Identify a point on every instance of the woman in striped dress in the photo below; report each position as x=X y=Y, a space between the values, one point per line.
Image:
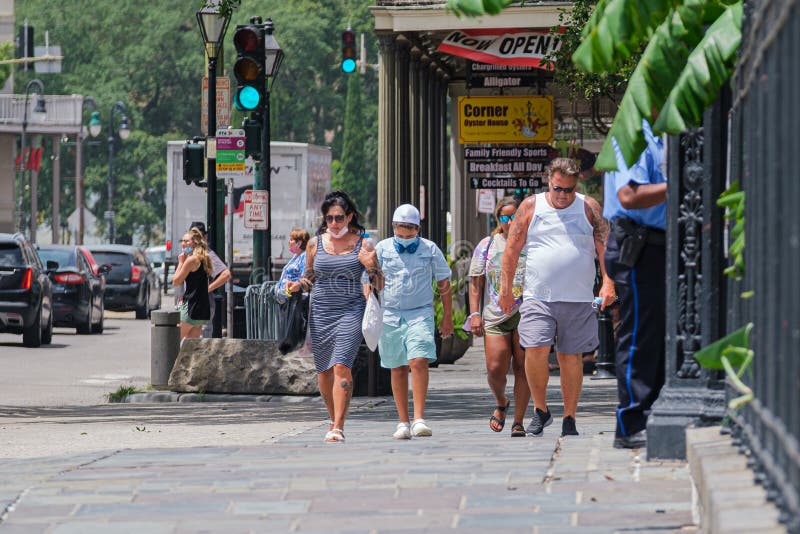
x=335 y=263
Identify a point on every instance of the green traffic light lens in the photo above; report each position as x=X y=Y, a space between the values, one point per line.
x=248 y=98
x=348 y=65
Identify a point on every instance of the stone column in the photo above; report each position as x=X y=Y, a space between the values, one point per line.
x=386 y=140
x=414 y=127
x=434 y=155
x=695 y=299
x=8 y=184
x=424 y=151
x=444 y=156
x=56 y=213
x=402 y=186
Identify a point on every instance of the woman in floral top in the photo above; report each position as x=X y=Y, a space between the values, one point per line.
x=289 y=281
x=501 y=343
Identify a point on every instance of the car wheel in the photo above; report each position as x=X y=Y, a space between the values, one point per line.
x=144 y=311
x=47 y=336
x=98 y=328
x=32 y=336
x=85 y=327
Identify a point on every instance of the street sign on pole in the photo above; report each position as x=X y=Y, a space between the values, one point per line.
x=223 y=103
x=230 y=160
x=256 y=206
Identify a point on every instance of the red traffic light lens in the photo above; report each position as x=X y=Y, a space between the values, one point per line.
x=246 y=69
x=247 y=39
x=349 y=37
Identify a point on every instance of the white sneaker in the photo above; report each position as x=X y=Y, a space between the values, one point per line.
x=403 y=431
x=420 y=429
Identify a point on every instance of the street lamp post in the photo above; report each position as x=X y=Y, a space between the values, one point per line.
x=124 y=132
x=94 y=130
x=213 y=25
x=38 y=112
x=273 y=57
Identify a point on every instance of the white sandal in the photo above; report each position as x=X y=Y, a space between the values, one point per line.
x=334 y=435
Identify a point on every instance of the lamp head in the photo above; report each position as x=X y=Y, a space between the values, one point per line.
x=95 y=124
x=40 y=111
x=124 y=129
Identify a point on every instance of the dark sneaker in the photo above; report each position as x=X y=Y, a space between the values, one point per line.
x=634 y=441
x=539 y=420
x=568 y=427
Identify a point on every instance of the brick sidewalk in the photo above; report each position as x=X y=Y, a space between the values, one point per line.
x=465 y=477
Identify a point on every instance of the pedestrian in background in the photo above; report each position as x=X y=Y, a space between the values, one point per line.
x=410 y=264
x=635 y=203
x=501 y=343
x=194 y=266
x=289 y=282
x=335 y=263
x=220 y=274
x=562 y=232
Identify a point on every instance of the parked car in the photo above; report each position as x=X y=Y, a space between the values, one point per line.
x=131 y=283
x=78 y=287
x=26 y=293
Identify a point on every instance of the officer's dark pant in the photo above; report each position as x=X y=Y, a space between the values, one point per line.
x=640 y=333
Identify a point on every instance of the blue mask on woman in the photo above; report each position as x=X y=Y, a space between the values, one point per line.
x=188 y=250
x=408 y=244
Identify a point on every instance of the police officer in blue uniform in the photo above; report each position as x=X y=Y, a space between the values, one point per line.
x=635 y=203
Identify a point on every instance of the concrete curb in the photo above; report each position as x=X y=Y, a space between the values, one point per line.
x=725 y=497
x=174 y=396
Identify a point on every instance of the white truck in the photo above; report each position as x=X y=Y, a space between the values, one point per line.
x=300 y=178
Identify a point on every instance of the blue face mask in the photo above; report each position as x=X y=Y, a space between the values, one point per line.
x=188 y=250
x=409 y=244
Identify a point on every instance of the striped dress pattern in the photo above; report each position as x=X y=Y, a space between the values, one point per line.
x=337 y=307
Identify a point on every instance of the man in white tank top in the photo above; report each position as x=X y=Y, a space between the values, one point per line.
x=562 y=232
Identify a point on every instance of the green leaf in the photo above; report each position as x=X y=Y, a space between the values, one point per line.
x=709 y=66
x=476 y=8
x=616 y=30
x=648 y=88
x=710 y=356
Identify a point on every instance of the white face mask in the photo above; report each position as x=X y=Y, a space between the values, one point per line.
x=340 y=234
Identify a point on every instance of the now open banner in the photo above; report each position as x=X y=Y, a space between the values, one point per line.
x=522 y=48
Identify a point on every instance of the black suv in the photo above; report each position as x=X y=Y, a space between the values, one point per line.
x=26 y=293
x=131 y=283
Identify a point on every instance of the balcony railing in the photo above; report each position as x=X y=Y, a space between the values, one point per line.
x=63 y=114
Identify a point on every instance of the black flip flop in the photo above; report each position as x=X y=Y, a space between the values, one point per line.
x=501 y=423
x=518 y=430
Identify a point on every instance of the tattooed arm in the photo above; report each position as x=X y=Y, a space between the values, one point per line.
x=600 y=232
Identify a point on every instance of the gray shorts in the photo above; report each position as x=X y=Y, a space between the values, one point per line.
x=572 y=326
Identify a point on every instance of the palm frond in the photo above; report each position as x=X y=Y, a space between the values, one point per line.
x=616 y=30
x=709 y=66
x=476 y=8
x=648 y=88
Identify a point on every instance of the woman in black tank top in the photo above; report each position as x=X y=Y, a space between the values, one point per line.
x=194 y=266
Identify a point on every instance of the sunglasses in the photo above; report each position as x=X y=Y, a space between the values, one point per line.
x=506 y=218
x=563 y=189
x=338 y=218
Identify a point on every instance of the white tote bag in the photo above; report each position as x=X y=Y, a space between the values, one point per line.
x=372 y=324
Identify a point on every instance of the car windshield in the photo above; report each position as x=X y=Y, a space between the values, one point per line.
x=64 y=258
x=156 y=257
x=10 y=255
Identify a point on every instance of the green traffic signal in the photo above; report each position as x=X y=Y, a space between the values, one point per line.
x=249 y=67
x=348 y=51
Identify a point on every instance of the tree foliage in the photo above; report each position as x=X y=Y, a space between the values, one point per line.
x=153 y=61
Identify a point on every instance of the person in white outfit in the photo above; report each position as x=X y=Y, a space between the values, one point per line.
x=562 y=232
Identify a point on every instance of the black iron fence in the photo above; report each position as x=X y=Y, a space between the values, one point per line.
x=764 y=142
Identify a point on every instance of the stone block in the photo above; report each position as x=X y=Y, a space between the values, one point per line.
x=241 y=366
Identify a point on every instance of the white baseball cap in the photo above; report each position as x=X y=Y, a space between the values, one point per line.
x=406 y=214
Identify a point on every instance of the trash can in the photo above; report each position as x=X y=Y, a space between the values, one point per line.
x=165 y=343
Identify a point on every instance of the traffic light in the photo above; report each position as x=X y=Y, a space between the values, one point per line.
x=348 y=51
x=193 y=163
x=249 y=67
